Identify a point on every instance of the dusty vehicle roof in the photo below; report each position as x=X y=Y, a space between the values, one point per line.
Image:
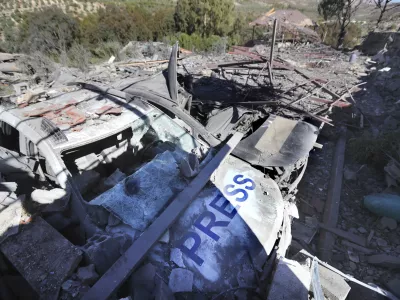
x=82 y=116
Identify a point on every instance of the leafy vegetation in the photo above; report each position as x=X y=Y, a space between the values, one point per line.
x=202 y=25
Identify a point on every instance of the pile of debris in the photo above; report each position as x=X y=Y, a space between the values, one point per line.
x=157 y=184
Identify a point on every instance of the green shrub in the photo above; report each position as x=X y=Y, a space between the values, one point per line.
x=79 y=57
x=329 y=32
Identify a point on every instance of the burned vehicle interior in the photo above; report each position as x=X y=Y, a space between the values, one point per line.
x=106 y=163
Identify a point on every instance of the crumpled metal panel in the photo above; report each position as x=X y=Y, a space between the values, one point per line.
x=279 y=142
x=233 y=223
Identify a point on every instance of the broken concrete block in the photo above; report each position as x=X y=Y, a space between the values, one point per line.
x=290 y=281
x=384 y=260
x=394 y=286
x=165 y=238
x=189 y=166
x=103 y=250
x=20 y=88
x=333 y=285
x=145 y=277
x=55 y=199
x=8 y=186
x=87 y=180
x=113 y=220
x=176 y=257
x=9 y=219
x=114 y=179
x=180 y=280
x=389 y=223
x=58 y=221
x=124 y=229
x=87 y=275
x=43 y=256
x=162 y=291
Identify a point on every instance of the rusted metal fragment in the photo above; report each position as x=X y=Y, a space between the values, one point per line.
x=341 y=104
x=69 y=116
x=109 y=110
x=51 y=108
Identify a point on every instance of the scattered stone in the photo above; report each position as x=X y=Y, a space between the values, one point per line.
x=113 y=220
x=386 y=222
x=394 y=286
x=180 y=280
x=20 y=88
x=362 y=230
x=176 y=257
x=333 y=285
x=353 y=256
x=162 y=291
x=381 y=242
x=189 y=166
x=165 y=238
x=103 y=250
x=353 y=266
x=349 y=174
x=114 y=179
x=145 y=277
x=87 y=275
x=390 y=123
x=370 y=236
x=384 y=260
x=291 y=281
x=55 y=199
x=123 y=228
x=338 y=257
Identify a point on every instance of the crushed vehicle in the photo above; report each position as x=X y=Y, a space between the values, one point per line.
x=271 y=142
x=95 y=167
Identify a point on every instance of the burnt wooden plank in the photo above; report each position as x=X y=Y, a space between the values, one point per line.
x=127 y=263
x=331 y=213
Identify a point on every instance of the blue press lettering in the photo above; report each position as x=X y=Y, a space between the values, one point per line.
x=236 y=191
x=222 y=208
x=229 y=190
x=237 y=179
x=191 y=252
x=212 y=223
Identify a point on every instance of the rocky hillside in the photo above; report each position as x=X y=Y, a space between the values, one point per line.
x=14 y=8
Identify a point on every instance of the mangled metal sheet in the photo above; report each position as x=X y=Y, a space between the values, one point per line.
x=225 y=231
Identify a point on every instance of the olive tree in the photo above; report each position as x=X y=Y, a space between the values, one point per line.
x=341 y=10
x=383 y=6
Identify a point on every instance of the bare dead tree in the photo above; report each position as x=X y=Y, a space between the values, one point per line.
x=384 y=6
x=343 y=11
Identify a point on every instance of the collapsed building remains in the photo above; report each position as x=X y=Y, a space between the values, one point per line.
x=166 y=176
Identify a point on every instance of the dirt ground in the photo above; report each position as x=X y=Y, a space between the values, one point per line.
x=362 y=177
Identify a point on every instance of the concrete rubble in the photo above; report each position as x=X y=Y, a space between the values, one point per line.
x=124 y=160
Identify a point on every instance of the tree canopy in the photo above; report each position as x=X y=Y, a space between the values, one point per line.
x=205 y=17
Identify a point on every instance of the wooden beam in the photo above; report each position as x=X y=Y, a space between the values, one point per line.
x=130 y=260
x=331 y=213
